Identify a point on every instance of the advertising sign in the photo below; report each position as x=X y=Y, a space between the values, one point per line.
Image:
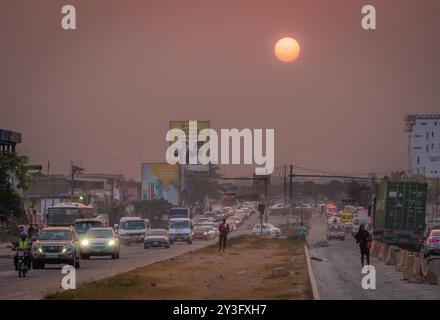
x=160 y=181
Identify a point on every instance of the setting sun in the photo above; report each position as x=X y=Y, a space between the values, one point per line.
x=287 y=49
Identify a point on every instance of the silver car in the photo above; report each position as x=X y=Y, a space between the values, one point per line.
x=432 y=243
x=157 y=238
x=100 y=242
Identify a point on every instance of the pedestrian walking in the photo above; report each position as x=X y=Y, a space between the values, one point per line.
x=302 y=231
x=223 y=229
x=363 y=238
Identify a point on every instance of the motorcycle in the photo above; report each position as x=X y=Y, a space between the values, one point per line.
x=22 y=265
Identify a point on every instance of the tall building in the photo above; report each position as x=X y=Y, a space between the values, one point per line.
x=8 y=140
x=424 y=144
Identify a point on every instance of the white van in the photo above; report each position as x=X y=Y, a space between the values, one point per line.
x=133 y=230
x=360 y=216
x=180 y=230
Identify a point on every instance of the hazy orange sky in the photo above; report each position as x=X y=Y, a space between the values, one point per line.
x=105 y=93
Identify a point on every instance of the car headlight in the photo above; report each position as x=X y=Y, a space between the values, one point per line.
x=67 y=248
x=37 y=248
x=111 y=243
x=85 y=242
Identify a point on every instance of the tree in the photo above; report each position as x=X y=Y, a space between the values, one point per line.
x=354 y=190
x=199 y=186
x=154 y=210
x=13 y=177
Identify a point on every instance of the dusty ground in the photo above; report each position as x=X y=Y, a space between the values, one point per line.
x=243 y=272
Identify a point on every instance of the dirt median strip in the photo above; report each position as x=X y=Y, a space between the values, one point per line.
x=251 y=268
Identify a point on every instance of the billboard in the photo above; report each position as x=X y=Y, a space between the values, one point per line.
x=160 y=181
x=184 y=126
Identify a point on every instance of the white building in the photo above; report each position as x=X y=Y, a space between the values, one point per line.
x=424 y=144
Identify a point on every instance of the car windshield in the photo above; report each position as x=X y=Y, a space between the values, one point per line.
x=133 y=225
x=82 y=227
x=179 y=224
x=157 y=233
x=55 y=235
x=100 y=233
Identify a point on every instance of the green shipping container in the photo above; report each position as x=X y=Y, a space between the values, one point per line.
x=400 y=212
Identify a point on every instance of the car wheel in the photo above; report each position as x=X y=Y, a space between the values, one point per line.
x=146 y=247
x=85 y=257
x=189 y=241
x=77 y=264
x=118 y=254
x=114 y=255
x=167 y=246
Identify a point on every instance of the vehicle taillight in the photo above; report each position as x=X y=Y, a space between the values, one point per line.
x=433 y=240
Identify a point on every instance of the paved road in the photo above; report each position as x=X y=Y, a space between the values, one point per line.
x=339 y=275
x=41 y=282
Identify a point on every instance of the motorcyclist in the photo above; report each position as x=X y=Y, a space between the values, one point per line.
x=23 y=244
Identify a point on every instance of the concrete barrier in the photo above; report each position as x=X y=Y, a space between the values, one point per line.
x=433 y=271
x=383 y=252
x=376 y=249
x=391 y=256
x=415 y=274
x=403 y=256
x=409 y=266
x=424 y=266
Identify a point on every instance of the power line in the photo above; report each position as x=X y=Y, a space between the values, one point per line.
x=69 y=156
x=349 y=158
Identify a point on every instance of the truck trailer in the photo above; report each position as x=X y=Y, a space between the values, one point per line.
x=399 y=217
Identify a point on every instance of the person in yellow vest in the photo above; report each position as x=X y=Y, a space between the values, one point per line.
x=23 y=244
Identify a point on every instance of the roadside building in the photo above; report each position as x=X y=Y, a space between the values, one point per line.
x=424 y=144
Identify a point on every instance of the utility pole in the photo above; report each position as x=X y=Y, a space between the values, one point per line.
x=48 y=179
x=71 y=181
x=291 y=183
x=285 y=183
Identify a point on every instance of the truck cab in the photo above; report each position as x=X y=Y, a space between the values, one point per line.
x=133 y=230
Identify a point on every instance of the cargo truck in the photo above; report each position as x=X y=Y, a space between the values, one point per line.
x=399 y=217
